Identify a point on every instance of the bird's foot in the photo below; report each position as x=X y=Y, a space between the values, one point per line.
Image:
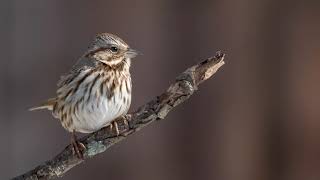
x=125 y=121
x=78 y=148
x=116 y=127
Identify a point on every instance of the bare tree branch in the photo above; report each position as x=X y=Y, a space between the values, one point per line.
x=179 y=91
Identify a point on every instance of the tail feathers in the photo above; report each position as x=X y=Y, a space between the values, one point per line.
x=45 y=105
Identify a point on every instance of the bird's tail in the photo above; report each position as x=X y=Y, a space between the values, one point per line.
x=45 y=105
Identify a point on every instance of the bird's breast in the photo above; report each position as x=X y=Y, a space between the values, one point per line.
x=107 y=102
x=99 y=99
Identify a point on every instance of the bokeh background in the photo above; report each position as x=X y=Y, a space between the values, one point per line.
x=258 y=118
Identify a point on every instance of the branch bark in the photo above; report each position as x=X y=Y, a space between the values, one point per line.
x=179 y=91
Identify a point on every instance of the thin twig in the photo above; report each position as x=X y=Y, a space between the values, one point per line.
x=179 y=91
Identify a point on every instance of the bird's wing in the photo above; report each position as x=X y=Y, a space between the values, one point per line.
x=82 y=64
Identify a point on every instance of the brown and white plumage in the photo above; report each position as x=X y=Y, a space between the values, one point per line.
x=97 y=89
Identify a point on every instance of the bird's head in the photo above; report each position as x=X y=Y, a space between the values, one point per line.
x=110 y=50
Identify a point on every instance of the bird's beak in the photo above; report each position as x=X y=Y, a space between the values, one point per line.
x=131 y=53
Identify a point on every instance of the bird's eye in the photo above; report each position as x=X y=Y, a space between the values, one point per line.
x=114 y=49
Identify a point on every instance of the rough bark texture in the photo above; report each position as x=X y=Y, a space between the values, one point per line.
x=179 y=91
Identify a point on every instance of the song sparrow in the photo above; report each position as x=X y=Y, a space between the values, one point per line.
x=96 y=91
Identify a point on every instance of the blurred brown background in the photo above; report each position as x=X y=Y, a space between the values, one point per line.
x=257 y=119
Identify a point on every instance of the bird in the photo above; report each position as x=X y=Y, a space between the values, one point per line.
x=96 y=91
